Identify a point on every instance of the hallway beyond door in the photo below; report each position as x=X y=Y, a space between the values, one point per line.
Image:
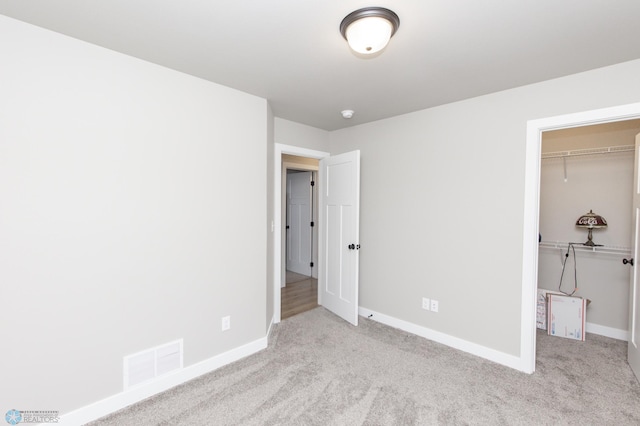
x=300 y=295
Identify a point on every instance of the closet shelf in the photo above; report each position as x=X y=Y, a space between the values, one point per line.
x=589 y=151
x=625 y=251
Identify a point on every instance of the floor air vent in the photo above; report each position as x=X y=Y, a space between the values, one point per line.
x=145 y=366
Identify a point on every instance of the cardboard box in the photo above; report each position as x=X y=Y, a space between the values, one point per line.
x=541 y=310
x=541 y=307
x=567 y=316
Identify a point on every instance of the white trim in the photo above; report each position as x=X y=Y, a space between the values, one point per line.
x=271 y=323
x=138 y=393
x=530 y=251
x=603 y=330
x=453 y=342
x=531 y=211
x=278 y=269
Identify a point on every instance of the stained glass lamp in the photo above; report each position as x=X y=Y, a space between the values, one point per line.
x=591 y=221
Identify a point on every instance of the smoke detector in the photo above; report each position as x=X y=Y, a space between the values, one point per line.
x=347 y=113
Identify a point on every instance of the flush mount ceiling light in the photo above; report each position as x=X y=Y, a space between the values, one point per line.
x=368 y=30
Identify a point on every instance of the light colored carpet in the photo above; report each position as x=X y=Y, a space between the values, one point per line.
x=319 y=370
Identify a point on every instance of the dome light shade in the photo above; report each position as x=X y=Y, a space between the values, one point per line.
x=369 y=30
x=369 y=35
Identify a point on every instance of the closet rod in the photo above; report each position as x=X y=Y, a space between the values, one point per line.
x=563 y=246
x=588 y=151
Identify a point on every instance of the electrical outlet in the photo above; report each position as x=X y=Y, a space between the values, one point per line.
x=226 y=323
x=434 y=305
x=426 y=304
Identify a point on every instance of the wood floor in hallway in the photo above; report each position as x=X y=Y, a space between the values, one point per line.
x=299 y=295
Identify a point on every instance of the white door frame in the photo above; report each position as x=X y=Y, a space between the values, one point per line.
x=532 y=211
x=633 y=352
x=278 y=229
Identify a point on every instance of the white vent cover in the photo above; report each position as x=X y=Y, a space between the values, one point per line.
x=147 y=365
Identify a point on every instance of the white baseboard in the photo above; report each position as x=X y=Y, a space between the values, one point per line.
x=602 y=330
x=511 y=361
x=138 y=393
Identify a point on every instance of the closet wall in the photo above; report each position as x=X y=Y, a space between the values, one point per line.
x=571 y=185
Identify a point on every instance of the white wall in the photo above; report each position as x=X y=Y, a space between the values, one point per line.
x=442 y=201
x=300 y=135
x=123 y=224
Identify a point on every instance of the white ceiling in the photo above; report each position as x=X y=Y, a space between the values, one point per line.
x=291 y=51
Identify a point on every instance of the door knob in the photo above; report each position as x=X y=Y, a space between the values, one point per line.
x=351 y=246
x=629 y=261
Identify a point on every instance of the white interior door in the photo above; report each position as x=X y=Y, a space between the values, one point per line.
x=299 y=222
x=339 y=217
x=634 y=308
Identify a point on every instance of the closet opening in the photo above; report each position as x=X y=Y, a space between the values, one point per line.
x=531 y=245
x=583 y=169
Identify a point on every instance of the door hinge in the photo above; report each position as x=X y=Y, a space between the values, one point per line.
x=312 y=224
x=313 y=183
x=311 y=264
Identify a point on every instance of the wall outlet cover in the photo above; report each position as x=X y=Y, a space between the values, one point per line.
x=426 y=303
x=226 y=323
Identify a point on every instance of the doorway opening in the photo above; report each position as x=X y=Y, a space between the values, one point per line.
x=535 y=129
x=300 y=291
x=281 y=153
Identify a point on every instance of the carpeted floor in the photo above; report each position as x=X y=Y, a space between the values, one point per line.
x=319 y=370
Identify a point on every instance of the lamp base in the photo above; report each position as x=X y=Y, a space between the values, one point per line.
x=592 y=244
